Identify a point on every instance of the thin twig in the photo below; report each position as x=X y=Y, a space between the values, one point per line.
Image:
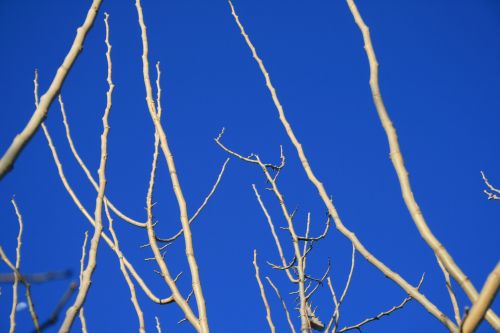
x=87 y=171
x=130 y=284
x=491 y=195
x=198 y=211
x=18 y=266
x=263 y=293
x=283 y=303
x=451 y=293
x=81 y=313
x=382 y=314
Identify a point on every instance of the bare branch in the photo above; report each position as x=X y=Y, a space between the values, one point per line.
x=282 y=303
x=491 y=195
x=94 y=242
x=130 y=284
x=451 y=293
x=188 y=239
x=18 y=264
x=87 y=171
x=381 y=314
x=198 y=211
x=263 y=293
x=22 y=139
x=398 y=163
x=484 y=301
x=429 y=306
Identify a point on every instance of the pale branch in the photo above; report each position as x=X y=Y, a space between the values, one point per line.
x=283 y=303
x=381 y=314
x=81 y=313
x=158 y=327
x=407 y=287
x=492 y=193
x=483 y=302
x=12 y=316
x=87 y=274
x=23 y=138
x=87 y=215
x=202 y=322
x=198 y=211
x=263 y=293
x=87 y=172
x=451 y=292
x=404 y=181
x=275 y=236
x=126 y=275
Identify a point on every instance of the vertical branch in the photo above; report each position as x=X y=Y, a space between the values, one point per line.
x=18 y=264
x=263 y=293
x=404 y=181
x=27 y=286
x=428 y=305
x=81 y=313
x=94 y=243
x=282 y=303
x=130 y=284
x=22 y=139
x=193 y=266
x=451 y=293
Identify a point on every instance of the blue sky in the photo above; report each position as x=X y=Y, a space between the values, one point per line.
x=439 y=73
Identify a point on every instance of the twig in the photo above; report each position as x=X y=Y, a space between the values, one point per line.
x=491 y=195
x=263 y=293
x=382 y=314
x=81 y=313
x=198 y=211
x=18 y=265
x=130 y=284
x=275 y=236
x=451 y=293
x=283 y=303
x=158 y=327
x=88 y=173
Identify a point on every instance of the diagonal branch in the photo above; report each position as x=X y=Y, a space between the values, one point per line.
x=398 y=163
x=23 y=138
x=407 y=287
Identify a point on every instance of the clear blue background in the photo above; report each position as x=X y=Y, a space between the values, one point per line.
x=440 y=70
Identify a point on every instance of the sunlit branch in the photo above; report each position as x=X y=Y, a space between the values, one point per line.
x=22 y=139
x=429 y=306
x=263 y=293
x=404 y=181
